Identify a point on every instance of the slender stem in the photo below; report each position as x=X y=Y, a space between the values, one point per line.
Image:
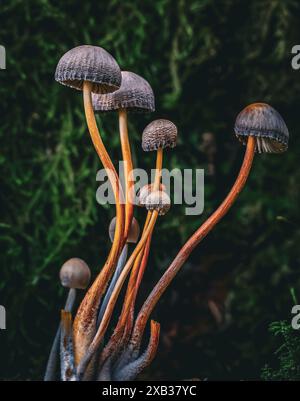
x=193 y=241
x=133 y=277
x=122 y=332
x=108 y=165
x=128 y=167
x=84 y=327
x=113 y=299
x=132 y=287
x=70 y=301
x=52 y=364
x=134 y=292
x=159 y=161
x=119 y=268
x=118 y=338
x=123 y=329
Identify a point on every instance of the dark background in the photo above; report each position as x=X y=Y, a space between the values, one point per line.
x=205 y=60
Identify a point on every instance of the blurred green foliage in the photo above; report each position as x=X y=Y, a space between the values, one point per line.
x=205 y=60
x=288 y=353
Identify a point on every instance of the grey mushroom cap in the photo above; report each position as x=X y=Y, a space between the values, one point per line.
x=75 y=273
x=134 y=231
x=159 y=134
x=89 y=63
x=135 y=95
x=264 y=123
x=159 y=201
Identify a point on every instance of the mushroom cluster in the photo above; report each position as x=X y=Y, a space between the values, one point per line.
x=92 y=347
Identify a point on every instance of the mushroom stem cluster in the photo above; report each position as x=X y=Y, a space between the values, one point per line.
x=93 y=346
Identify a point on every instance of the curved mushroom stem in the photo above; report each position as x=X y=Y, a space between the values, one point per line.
x=118 y=338
x=137 y=270
x=119 y=268
x=113 y=299
x=128 y=167
x=84 y=327
x=189 y=246
x=51 y=369
x=122 y=332
x=133 y=369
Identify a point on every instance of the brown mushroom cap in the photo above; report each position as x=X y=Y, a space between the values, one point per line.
x=159 y=134
x=159 y=201
x=89 y=63
x=133 y=234
x=264 y=123
x=75 y=273
x=135 y=95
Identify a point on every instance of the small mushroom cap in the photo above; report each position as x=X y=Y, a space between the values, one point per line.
x=158 y=200
x=135 y=95
x=159 y=134
x=266 y=125
x=89 y=63
x=145 y=191
x=75 y=273
x=134 y=231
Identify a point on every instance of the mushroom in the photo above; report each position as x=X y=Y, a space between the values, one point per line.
x=113 y=299
x=261 y=128
x=159 y=201
x=133 y=234
x=267 y=126
x=158 y=135
x=93 y=69
x=74 y=274
x=134 y=95
x=145 y=191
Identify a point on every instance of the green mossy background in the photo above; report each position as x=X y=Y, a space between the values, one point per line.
x=205 y=60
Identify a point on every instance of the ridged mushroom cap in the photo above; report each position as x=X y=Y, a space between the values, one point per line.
x=159 y=134
x=135 y=95
x=75 y=273
x=89 y=63
x=145 y=191
x=159 y=201
x=266 y=125
x=134 y=231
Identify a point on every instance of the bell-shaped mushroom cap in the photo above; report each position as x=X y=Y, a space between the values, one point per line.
x=75 y=273
x=135 y=94
x=159 y=134
x=134 y=231
x=158 y=200
x=89 y=63
x=266 y=125
x=145 y=191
